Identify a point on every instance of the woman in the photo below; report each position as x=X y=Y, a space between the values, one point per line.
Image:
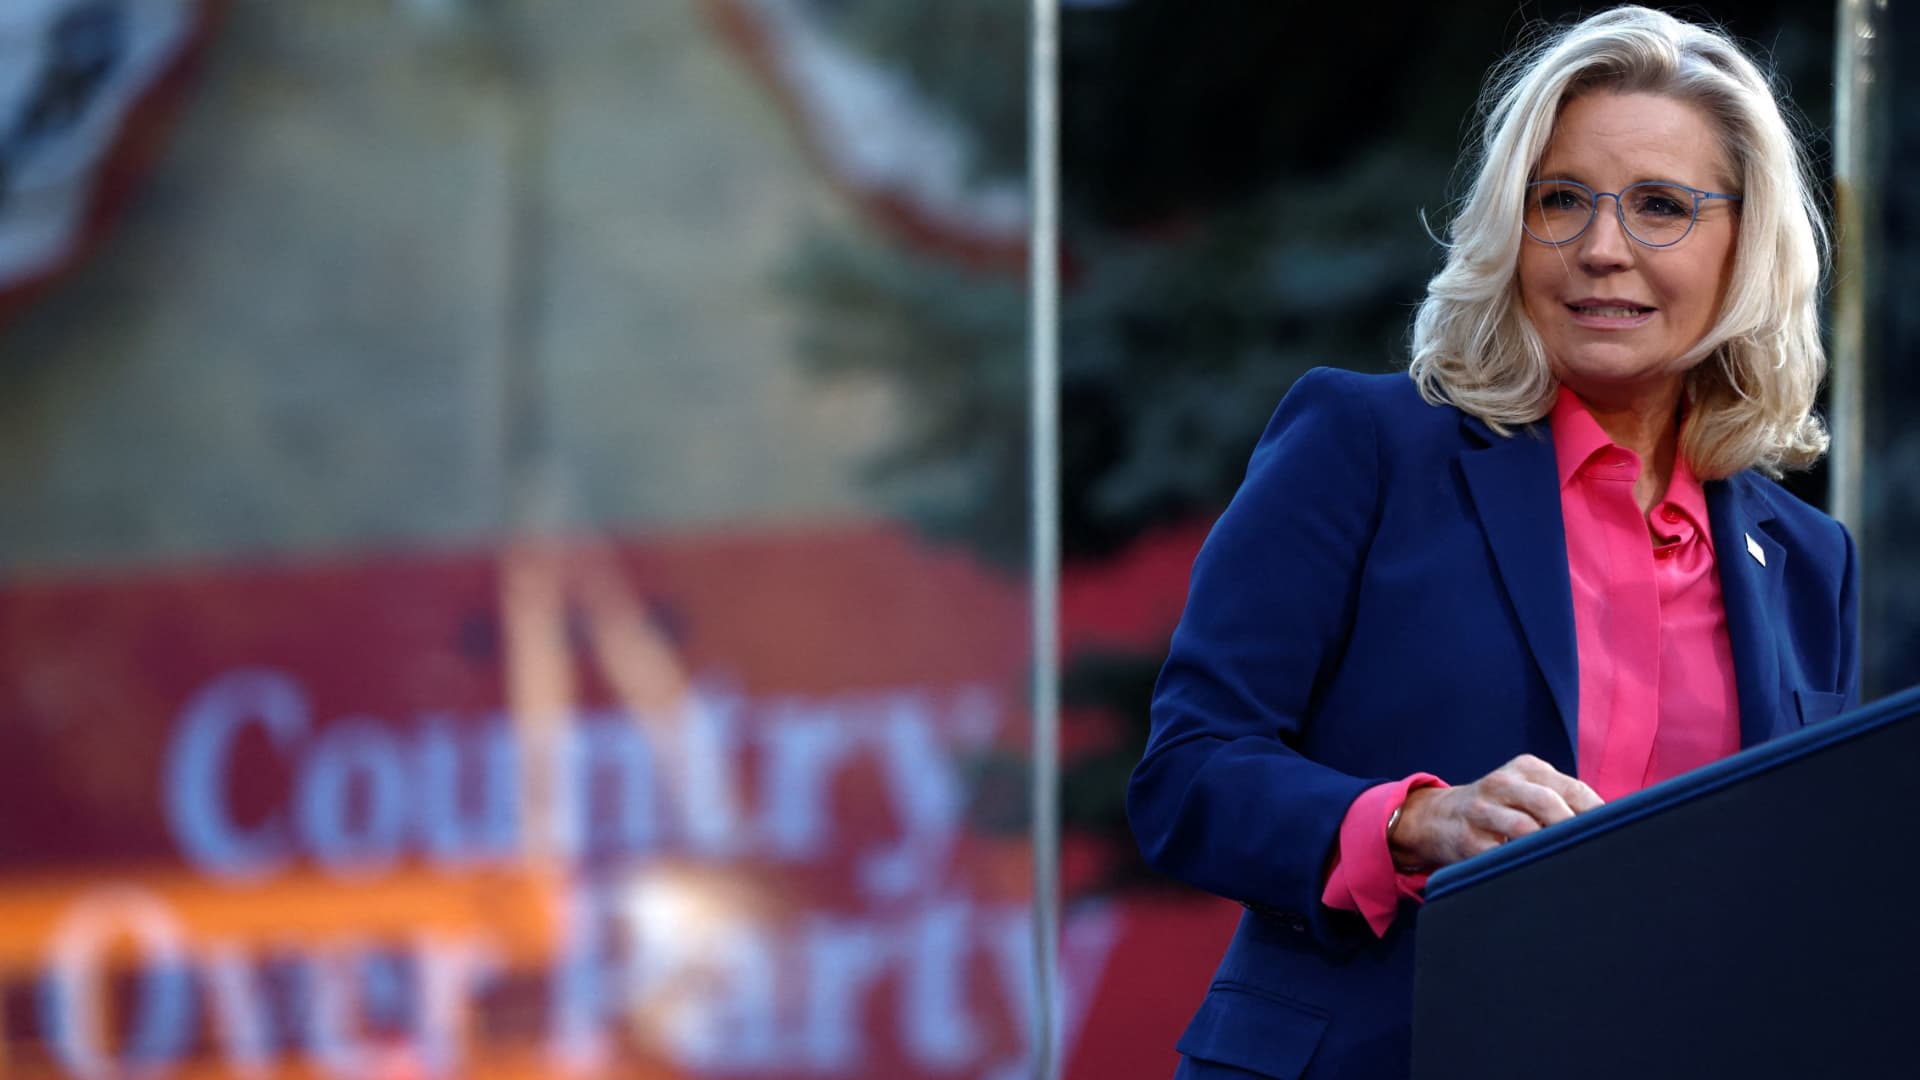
x=1545 y=571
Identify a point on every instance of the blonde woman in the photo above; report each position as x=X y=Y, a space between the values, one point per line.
x=1546 y=570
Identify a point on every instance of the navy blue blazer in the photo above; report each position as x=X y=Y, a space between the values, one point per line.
x=1386 y=594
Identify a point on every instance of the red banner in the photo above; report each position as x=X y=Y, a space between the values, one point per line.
x=693 y=807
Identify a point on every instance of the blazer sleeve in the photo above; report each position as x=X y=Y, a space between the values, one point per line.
x=1222 y=799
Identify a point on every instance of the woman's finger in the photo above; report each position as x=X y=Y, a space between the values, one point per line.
x=1512 y=788
x=1578 y=795
x=1487 y=816
x=1480 y=842
x=1533 y=768
x=1541 y=802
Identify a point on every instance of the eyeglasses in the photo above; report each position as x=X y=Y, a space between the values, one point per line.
x=1653 y=212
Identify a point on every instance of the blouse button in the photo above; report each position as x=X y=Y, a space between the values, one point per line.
x=1671 y=514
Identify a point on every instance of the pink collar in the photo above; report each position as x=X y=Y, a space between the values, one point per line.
x=1577 y=437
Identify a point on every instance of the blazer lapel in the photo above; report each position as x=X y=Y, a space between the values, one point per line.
x=1750 y=589
x=1516 y=492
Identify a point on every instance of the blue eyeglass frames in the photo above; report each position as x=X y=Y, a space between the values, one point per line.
x=1656 y=213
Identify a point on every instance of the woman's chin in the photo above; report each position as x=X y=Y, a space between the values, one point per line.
x=1609 y=373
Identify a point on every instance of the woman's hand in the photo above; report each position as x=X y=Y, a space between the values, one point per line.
x=1438 y=826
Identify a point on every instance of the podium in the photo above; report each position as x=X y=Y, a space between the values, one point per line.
x=1756 y=918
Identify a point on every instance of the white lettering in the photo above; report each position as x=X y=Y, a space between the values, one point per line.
x=196 y=779
x=468 y=790
x=1085 y=943
x=844 y=958
x=708 y=734
x=238 y=1007
x=354 y=757
x=74 y=1005
x=937 y=1025
x=451 y=970
x=805 y=749
x=928 y=795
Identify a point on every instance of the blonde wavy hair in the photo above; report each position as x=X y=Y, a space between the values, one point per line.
x=1750 y=391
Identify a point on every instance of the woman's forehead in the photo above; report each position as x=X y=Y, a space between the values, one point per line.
x=1607 y=138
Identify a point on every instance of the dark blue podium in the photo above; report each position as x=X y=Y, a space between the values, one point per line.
x=1756 y=918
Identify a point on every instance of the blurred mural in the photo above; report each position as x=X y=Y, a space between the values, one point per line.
x=512 y=520
x=443 y=629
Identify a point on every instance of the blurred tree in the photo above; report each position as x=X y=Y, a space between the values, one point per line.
x=1244 y=199
x=1244 y=195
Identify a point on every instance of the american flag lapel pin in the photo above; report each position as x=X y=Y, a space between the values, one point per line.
x=1754 y=549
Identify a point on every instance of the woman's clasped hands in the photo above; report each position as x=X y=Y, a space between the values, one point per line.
x=1438 y=826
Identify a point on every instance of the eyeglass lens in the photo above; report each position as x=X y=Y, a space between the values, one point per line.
x=1655 y=214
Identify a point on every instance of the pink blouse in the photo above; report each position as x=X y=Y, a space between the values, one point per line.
x=1657 y=694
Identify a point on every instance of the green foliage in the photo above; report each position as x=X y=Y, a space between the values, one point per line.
x=1174 y=350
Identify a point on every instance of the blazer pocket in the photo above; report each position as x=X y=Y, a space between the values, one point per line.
x=1262 y=1033
x=1817 y=705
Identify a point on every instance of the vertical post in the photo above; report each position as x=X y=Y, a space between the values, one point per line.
x=1858 y=71
x=1043 y=167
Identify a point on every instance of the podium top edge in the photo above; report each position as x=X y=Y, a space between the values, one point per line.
x=1683 y=788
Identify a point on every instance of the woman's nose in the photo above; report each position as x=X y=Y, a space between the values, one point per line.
x=1606 y=245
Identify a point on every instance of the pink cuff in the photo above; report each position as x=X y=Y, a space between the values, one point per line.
x=1361 y=876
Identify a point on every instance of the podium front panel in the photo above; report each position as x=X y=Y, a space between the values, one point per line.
x=1751 y=919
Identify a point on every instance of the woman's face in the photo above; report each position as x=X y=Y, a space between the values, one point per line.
x=1615 y=314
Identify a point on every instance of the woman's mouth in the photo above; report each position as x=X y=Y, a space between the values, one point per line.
x=1610 y=314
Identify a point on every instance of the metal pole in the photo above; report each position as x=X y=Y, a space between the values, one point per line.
x=1858 y=68
x=1043 y=164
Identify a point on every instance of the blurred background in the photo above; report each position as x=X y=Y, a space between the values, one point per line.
x=513 y=516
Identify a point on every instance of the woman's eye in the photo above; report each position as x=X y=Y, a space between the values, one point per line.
x=1660 y=204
